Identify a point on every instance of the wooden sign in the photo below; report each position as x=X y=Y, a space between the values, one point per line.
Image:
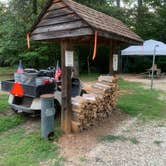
x=115 y=62
x=69 y=58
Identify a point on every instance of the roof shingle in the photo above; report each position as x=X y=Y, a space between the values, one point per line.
x=101 y=21
x=106 y=25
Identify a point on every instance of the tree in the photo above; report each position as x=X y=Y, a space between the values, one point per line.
x=118 y=3
x=35 y=6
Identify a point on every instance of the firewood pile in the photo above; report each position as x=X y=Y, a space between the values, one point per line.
x=96 y=105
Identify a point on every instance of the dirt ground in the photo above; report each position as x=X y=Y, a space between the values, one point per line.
x=74 y=147
x=87 y=149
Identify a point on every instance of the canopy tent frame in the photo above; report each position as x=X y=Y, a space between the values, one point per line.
x=149 y=48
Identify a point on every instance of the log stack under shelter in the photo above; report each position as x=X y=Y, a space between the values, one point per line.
x=70 y=23
x=96 y=105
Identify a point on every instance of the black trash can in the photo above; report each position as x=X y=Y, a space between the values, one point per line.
x=47 y=116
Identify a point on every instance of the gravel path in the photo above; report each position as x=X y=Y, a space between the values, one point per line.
x=144 y=145
x=150 y=149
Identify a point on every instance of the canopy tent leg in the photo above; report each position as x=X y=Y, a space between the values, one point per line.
x=153 y=64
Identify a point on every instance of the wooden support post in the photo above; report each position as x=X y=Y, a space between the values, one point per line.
x=111 y=58
x=66 y=90
x=112 y=51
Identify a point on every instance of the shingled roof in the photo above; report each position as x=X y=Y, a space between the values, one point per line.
x=85 y=17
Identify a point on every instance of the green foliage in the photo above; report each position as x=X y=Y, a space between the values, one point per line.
x=139 y=101
x=10 y=121
x=147 y=18
x=17 y=20
x=19 y=148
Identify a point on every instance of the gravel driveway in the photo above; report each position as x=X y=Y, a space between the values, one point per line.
x=150 y=150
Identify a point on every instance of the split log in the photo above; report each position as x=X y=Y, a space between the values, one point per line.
x=96 y=105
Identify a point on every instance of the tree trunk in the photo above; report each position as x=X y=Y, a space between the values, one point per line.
x=118 y=3
x=35 y=6
x=139 y=11
x=140 y=2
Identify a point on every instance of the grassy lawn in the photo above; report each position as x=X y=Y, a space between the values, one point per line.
x=7 y=70
x=6 y=77
x=6 y=73
x=19 y=148
x=136 y=100
x=90 y=77
x=3 y=102
x=10 y=121
x=7 y=121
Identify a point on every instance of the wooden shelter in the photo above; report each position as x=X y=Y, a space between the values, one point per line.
x=69 y=23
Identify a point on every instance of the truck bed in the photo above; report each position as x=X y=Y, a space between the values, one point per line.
x=29 y=91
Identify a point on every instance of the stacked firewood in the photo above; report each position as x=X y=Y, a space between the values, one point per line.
x=96 y=105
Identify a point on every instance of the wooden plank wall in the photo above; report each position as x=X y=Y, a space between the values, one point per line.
x=59 y=22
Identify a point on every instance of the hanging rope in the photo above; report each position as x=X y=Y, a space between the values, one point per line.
x=95 y=46
x=28 y=40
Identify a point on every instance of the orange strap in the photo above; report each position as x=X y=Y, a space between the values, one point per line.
x=28 y=40
x=95 y=46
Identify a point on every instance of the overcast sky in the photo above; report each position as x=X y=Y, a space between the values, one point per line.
x=3 y=1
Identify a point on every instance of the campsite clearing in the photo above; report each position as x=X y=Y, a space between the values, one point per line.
x=120 y=139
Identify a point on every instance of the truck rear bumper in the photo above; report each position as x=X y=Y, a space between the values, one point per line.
x=21 y=108
x=31 y=107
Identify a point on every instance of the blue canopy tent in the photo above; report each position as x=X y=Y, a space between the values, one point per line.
x=149 y=48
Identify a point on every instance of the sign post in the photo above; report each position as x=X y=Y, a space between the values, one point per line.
x=115 y=62
x=67 y=63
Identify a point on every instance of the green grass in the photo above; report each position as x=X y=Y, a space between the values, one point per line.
x=139 y=101
x=83 y=159
x=158 y=142
x=90 y=77
x=6 y=77
x=134 y=140
x=21 y=149
x=7 y=70
x=114 y=138
x=10 y=121
x=57 y=131
x=7 y=121
x=6 y=73
x=4 y=102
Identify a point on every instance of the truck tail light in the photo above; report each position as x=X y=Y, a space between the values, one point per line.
x=17 y=90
